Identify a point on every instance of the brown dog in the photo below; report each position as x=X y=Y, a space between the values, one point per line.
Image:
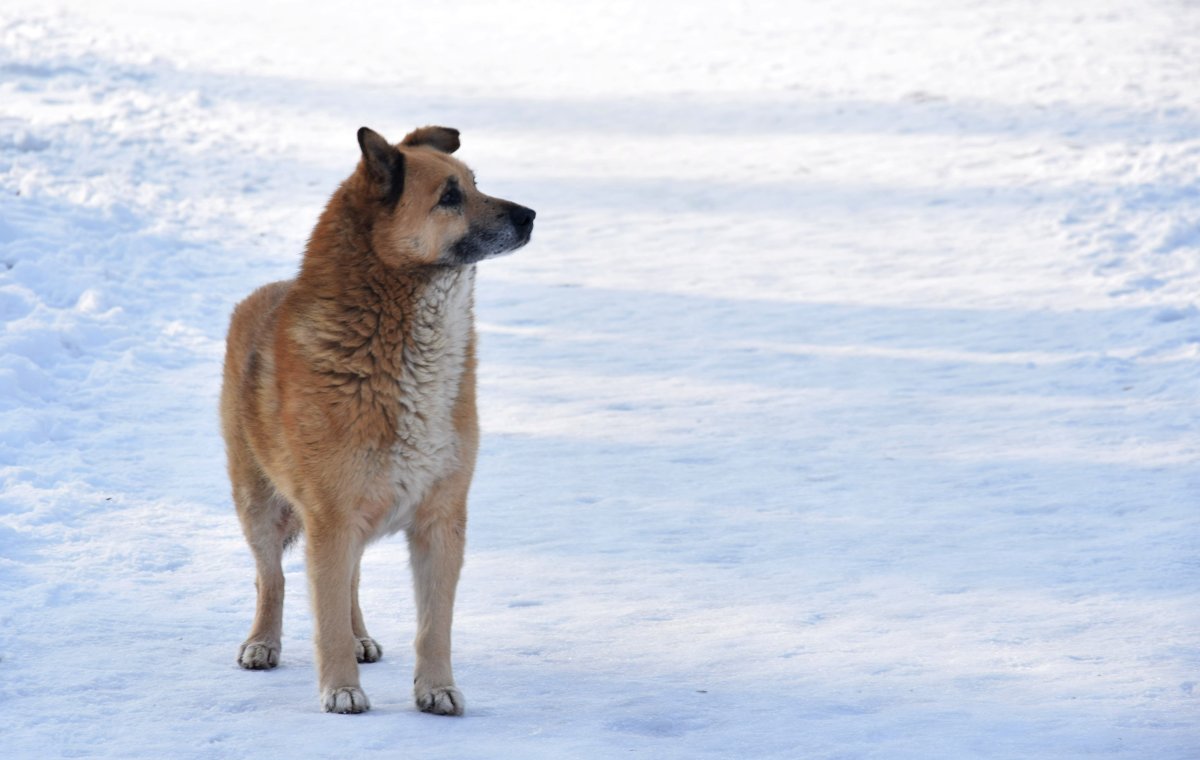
x=348 y=404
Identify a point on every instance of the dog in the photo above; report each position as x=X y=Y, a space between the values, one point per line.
x=348 y=405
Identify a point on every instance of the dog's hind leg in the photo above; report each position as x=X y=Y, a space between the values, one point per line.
x=269 y=524
x=366 y=649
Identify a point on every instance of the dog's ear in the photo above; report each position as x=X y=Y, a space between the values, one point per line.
x=444 y=139
x=384 y=164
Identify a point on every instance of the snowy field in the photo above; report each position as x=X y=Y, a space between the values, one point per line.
x=845 y=404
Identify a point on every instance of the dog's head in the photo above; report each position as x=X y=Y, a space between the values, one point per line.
x=424 y=204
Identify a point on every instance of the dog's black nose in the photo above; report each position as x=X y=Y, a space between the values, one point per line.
x=522 y=218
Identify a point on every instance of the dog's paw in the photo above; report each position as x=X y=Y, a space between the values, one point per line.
x=441 y=700
x=258 y=655
x=367 y=649
x=345 y=700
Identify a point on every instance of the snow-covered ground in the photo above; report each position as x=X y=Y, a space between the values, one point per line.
x=844 y=406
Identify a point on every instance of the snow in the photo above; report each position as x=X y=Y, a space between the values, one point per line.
x=844 y=405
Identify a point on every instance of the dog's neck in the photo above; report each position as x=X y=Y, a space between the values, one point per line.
x=366 y=300
x=366 y=314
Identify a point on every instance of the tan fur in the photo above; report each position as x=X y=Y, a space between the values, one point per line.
x=348 y=405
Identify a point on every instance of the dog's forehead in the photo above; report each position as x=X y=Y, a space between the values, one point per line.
x=431 y=165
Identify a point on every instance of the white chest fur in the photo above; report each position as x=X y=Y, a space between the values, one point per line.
x=432 y=364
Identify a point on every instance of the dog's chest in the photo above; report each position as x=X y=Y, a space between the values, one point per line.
x=428 y=370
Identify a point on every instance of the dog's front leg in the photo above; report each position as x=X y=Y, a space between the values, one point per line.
x=333 y=554
x=436 y=551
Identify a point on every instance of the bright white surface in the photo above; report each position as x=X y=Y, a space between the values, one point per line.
x=844 y=405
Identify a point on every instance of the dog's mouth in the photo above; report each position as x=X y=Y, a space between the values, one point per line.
x=488 y=242
x=525 y=236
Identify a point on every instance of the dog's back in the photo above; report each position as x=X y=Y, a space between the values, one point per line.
x=249 y=360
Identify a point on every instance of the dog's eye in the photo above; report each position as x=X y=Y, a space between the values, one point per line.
x=452 y=197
